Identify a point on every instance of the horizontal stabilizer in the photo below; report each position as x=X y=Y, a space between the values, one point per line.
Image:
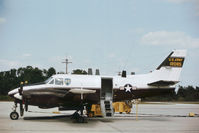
x=162 y=83
x=82 y=91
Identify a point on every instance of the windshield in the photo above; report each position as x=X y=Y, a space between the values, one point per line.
x=48 y=80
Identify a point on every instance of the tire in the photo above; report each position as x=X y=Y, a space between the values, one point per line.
x=14 y=115
x=81 y=119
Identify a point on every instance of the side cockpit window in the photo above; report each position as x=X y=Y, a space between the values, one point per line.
x=51 y=82
x=48 y=80
x=59 y=81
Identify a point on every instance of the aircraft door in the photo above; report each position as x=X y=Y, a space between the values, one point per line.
x=106 y=88
x=106 y=97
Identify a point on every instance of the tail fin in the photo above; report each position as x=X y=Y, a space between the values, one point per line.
x=168 y=72
x=175 y=59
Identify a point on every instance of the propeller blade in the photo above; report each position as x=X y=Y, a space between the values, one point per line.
x=20 y=90
x=21 y=108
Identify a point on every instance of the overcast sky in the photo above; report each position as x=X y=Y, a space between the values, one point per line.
x=112 y=35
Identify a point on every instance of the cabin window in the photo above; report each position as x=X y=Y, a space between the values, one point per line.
x=52 y=82
x=59 y=81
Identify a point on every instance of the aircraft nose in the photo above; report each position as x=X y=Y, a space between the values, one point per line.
x=12 y=92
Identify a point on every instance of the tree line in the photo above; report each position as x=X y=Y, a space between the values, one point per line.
x=11 y=79
x=187 y=93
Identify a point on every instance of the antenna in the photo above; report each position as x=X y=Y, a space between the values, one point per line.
x=67 y=62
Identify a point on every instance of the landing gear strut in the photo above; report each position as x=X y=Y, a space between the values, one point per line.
x=14 y=115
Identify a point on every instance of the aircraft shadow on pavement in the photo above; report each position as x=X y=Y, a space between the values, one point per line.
x=67 y=118
x=63 y=118
x=46 y=117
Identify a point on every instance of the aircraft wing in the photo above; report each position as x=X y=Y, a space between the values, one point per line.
x=82 y=91
x=162 y=83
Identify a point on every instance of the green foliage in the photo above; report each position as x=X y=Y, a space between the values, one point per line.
x=188 y=94
x=79 y=71
x=184 y=94
x=5 y=98
x=51 y=71
x=11 y=79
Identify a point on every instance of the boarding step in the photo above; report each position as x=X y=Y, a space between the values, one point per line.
x=106 y=107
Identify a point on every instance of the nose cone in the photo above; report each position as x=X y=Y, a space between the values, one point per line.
x=12 y=92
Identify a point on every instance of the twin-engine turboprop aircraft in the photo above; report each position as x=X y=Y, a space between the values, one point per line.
x=75 y=92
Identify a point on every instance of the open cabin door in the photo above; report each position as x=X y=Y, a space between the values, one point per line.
x=106 y=97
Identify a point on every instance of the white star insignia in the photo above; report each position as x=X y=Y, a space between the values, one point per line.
x=128 y=88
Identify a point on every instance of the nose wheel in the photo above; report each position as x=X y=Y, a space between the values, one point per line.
x=14 y=115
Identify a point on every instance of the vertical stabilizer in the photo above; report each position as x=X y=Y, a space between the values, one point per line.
x=168 y=72
x=175 y=59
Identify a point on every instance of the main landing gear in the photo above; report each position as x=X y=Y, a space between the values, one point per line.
x=79 y=117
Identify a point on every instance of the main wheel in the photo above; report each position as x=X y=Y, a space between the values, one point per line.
x=14 y=115
x=81 y=119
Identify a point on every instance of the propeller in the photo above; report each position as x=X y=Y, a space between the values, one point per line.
x=20 y=90
x=25 y=101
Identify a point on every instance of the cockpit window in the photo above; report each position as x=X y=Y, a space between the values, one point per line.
x=52 y=82
x=59 y=81
x=48 y=80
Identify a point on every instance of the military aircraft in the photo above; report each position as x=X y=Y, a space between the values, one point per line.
x=77 y=92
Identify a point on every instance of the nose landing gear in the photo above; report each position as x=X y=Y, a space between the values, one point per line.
x=14 y=115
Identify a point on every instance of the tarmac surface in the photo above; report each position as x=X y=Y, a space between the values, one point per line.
x=152 y=118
